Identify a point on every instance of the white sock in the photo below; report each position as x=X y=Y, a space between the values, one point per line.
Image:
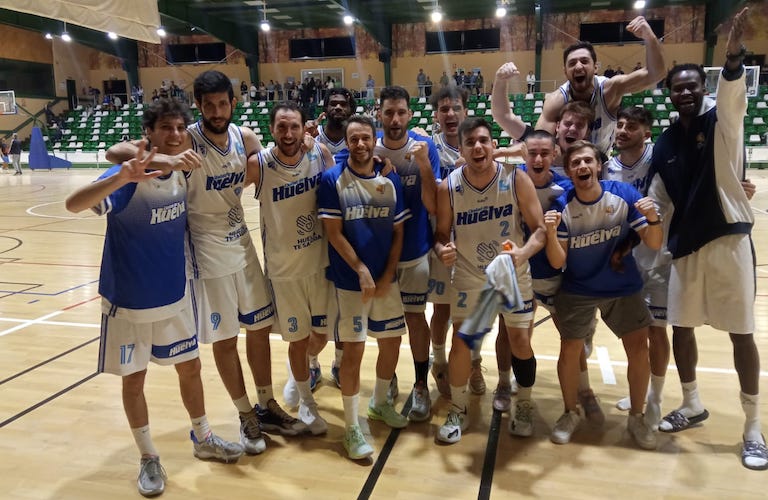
x=750 y=405
x=201 y=428
x=691 y=403
x=504 y=378
x=243 y=404
x=351 y=404
x=476 y=351
x=459 y=398
x=380 y=391
x=524 y=393
x=305 y=393
x=264 y=393
x=438 y=350
x=655 y=389
x=584 y=381
x=313 y=362
x=144 y=441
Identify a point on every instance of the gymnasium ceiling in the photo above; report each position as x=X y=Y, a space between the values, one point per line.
x=237 y=21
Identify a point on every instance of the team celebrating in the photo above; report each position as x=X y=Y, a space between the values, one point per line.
x=361 y=228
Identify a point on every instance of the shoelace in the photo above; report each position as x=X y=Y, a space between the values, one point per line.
x=252 y=428
x=282 y=415
x=153 y=468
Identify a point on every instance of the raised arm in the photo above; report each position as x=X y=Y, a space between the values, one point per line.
x=643 y=78
x=556 y=249
x=424 y=160
x=186 y=160
x=133 y=170
x=550 y=113
x=652 y=234
x=504 y=116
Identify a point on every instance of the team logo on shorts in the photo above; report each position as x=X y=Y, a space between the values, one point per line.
x=305 y=224
x=487 y=250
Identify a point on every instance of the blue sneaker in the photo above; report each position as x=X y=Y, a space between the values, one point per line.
x=315 y=376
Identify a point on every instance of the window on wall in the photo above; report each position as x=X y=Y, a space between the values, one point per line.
x=186 y=53
x=319 y=48
x=26 y=78
x=463 y=41
x=598 y=33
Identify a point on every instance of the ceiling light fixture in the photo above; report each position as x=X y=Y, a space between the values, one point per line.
x=348 y=19
x=436 y=15
x=48 y=36
x=112 y=35
x=161 y=32
x=265 y=27
x=65 y=35
x=501 y=8
x=639 y=4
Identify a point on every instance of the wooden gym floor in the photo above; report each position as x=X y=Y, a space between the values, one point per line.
x=63 y=434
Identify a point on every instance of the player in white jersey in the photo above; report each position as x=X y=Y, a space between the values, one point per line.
x=450 y=109
x=584 y=229
x=415 y=159
x=363 y=212
x=483 y=204
x=147 y=313
x=295 y=251
x=602 y=94
x=229 y=288
x=633 y=166
x=339 y=106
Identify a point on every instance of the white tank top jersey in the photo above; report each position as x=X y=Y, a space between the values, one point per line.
x=637 y=174
x=333 y=147
x=290 y=230
x=605 y=122
x=219 y=243
x=448 y=155
x=482 y=221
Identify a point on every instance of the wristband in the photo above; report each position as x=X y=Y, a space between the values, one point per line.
x=654 y=222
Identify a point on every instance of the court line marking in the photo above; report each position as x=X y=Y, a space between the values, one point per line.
x=31 y=211
x=606 y=369
x=49 y=360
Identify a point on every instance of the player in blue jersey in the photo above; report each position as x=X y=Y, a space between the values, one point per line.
x=295 y=251
x=415 y=159
x=700 y=158
x=363 y=213
x=583 y=230
x=230 y=291
x=601 y=93
x=339 y=105
x=541 y=152
x=147 y=314
x=482 y=207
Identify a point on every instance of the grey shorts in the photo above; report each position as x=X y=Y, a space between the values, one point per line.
x=623 y=315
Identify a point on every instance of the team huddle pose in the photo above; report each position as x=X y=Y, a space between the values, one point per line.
x=360 y=231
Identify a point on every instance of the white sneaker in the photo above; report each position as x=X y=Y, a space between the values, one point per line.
x=565 y=427
x=455 y=424
x=309 y=415
x=641 y=432
x=521 y=424
x=291 y=391
x=652 y=414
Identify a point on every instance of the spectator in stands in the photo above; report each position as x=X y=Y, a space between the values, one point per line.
x=609 y=72
x=271 y=90
x=444 y=80
x=480 y=83
x=244 y=91
x=619 y=71
x=637 y=66
x=279 y=90
x=421 y=81
x=428 y=87
x=530 y=79
x=155 y=95
x=253 y=92
x=370 y=85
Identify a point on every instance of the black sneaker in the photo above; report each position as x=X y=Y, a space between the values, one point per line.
x=275 y=419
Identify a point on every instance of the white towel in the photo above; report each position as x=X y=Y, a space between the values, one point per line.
x=501 y=291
